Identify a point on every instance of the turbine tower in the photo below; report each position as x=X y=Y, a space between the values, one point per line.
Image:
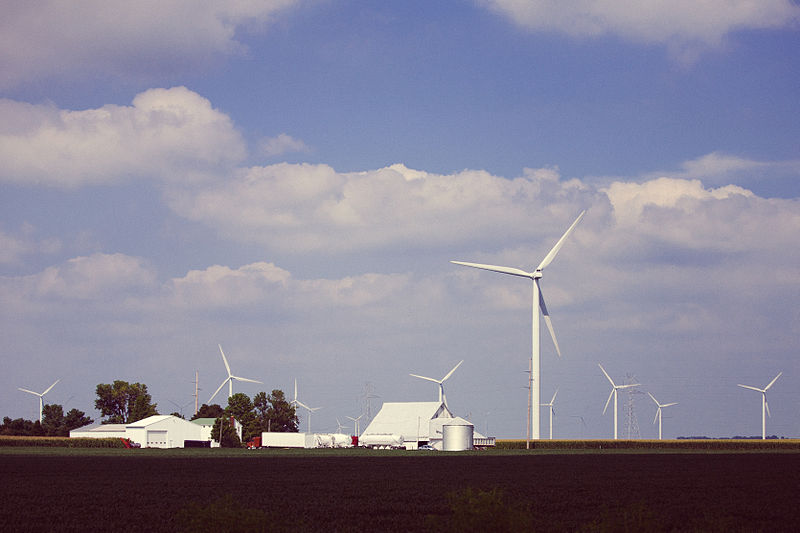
x=614 y=389
x=356 y=426
x=41 y=397
x=440 y=382
x=658 y=412
x=229 y=380
x=764 y=404
x=537 y=304
x=552 y=411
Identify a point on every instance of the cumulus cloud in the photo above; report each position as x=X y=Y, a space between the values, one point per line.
x=167 y=134
x=680 y=23
x=48 y=38
x=282 y=144
x=304 y=208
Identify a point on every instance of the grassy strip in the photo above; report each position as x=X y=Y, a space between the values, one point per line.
x=59 y=442
x=642 y=444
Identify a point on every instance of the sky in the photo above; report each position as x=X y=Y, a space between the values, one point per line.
x=290 y=179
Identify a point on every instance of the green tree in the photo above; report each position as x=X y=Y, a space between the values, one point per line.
x=274 y=413
x=241 y=408
x=53 y=420
x=123 y=402
x=209 y=411
x=230 y=438
x=76 y=418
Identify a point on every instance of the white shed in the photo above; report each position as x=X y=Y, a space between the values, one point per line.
x=207 y=424
x=163 y=431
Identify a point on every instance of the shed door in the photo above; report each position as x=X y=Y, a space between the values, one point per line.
x=156 y=438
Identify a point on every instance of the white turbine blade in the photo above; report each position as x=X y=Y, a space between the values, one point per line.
x=550 y=256
x=749 y=387
x=225 y=360
x=547 y=321
x=451 y=372
x=301 y=404
x=54 y=384
x=237 y=378
x=658 y=411
x=608 y=401
x=218 y=389
x=606 y=374
x=429 y=379
x=295 y=390
x=766 y=405
x=494 y=268
x=765 y=388
x=628 y=386
x=552 y=401
x=654 y=399
x=30 y=391
x=669 y=404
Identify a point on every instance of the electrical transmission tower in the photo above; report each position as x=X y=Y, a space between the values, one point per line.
x=366 y=398
x=631 y=424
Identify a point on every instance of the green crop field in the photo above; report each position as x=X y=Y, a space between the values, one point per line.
x=67 y=489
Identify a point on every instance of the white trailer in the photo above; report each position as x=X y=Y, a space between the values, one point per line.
x=381 y=441
x=270 y=439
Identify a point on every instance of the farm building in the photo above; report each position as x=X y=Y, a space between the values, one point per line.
x=412 y=424
x=99 y=431
x=163 y=431
x=159 y=431
x=207 y=424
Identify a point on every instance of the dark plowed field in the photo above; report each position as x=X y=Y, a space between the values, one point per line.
x=436 y=492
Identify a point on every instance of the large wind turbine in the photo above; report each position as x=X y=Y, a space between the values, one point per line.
x=658 y=412
x=442 y=397
x=614 y=389
x=41 y=397
x=538 y=303
x=764 y=404
x=552 y=412
x=229 y=380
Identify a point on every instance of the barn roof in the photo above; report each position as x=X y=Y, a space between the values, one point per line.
x=407 y=419
x=150 y=420
x=101 y=428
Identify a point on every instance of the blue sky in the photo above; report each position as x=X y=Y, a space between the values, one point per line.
x=291 y=179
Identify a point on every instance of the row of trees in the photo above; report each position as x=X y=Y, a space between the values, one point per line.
x=54 y=423
x=121 y=402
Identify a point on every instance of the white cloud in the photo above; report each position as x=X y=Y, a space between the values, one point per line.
x=312 y=208
x=282 y=144
x=167 y=134
x=14 y=247
x=115 y=38
x=678 y=23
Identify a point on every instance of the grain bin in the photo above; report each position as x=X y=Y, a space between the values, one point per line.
x=457 y=435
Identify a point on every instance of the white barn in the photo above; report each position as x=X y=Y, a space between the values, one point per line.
x=163 y=431
x=408 y=423
x=158 y=431
x=207 y=424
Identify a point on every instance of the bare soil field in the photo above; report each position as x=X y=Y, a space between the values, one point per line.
x=187 y=490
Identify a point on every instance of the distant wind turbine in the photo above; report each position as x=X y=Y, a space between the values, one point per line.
x=538 y=303
x=659 y=415
x=764 y=404
x=552 y=412
x=297 y=402
x=614 y=389
x=41 y=397
x=356 y=424
x=442 y=397
x=230 y=379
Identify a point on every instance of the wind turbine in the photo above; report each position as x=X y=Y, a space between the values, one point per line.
x=41 y=397
x=442 y=397
x=614 y=389
x=229 y=380
x=552 y=412
x=538 y=303
x=356 y=424
x=658 y=412
x=764 y=404
x=297 y=402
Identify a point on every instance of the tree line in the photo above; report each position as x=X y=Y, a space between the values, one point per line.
x=121 y=402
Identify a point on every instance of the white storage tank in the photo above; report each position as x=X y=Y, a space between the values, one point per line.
x=457 y=435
